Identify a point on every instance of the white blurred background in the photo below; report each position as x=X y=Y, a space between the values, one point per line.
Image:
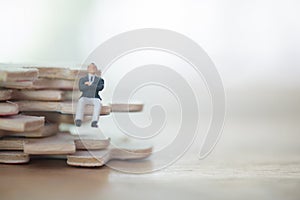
x=255 y=44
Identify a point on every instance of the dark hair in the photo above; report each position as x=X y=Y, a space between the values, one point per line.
x=93 y=64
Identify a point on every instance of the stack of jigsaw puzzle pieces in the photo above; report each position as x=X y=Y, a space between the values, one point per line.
x=34 y=101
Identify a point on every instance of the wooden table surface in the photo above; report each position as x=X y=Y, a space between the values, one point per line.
x=255 y=158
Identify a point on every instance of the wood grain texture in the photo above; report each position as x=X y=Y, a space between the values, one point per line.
x=41 y=83
x=82 y=142
x=91 y=142
x=17 y=84
x=13 y=74
x=61 y=72
x=13 y=157
x=54 y=117
x=12 y=143
x=38 y=95
x=122 y=107
x=38 y=106
x=59 y=84
x=55 y=145
x=67 y=108
x=47 y=130
x=8 y=108
x=64 y=144
x=98 y=158
x=72 y=95
x=63 y=107
x=5 y=94
x=21 y=123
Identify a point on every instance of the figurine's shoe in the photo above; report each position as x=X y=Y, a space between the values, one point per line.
x=78 y=122
x=94 y=124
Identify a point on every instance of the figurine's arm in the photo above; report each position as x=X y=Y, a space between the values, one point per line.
x=82 y=85
x=100 y=85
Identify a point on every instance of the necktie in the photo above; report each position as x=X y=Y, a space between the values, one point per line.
x=92 y=79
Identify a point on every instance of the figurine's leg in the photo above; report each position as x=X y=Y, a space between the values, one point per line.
x=80 y=108
x=97 y=109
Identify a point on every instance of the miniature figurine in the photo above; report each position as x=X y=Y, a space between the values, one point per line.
x=89 y=85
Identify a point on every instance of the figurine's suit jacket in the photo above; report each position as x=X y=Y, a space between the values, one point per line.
x=93 y=90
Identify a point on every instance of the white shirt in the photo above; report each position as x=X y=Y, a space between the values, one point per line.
x=91 y=78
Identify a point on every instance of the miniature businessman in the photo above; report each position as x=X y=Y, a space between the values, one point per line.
x=89 y=85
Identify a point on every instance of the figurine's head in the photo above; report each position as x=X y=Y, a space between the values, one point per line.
x=92 y=68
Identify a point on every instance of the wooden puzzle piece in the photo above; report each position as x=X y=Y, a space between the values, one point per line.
x=17 y=85
x=97 y=158
x=12 y=143
x=63 y=107
x=54 y=84
x=91 y=142
x=38 y=95
x=8 y=108
x=21 y=123
x=70 y=95
x=55 y=117
x=67 y=108
x=5 y=94
x=13 y=157
x=55 y=145
x=61 y=73
x=95 y=154
x=38 y=106
x=83 y=142
x=14 y=74
x=47 y=130
x=59 y=84
x=121 y=107
x=50 y=148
